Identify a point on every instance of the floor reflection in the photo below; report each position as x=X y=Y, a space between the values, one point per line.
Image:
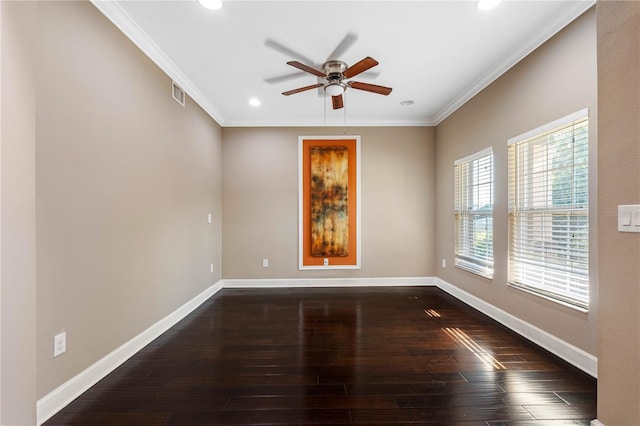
x=482 y=354
x=329 y=336
x=432 y=313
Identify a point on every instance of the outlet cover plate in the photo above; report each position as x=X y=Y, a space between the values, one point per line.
x=59 y=344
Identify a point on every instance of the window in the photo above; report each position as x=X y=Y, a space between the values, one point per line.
x=549 y=211
x=474 y=213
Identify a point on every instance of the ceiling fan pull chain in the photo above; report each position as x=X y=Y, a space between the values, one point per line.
x=324 y=104
x=344 y=113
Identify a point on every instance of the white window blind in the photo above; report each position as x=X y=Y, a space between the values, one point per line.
x=549 y=211
x=474 y=213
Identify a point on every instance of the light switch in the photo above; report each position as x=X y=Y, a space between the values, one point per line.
x=629 y=218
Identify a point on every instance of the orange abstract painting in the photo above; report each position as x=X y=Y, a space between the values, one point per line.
x=329 y=201
x=329 y=221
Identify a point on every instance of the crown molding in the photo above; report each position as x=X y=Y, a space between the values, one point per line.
x=358 y=122
x=510 y=60
x=121 y=19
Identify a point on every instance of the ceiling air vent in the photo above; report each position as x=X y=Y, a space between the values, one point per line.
x=177 y=93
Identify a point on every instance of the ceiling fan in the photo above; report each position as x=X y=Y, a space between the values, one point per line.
x=336 y=73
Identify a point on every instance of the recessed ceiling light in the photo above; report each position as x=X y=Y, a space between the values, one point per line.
x=254 y=102
x=408 y=102
x=487 y=4
x=211 y=4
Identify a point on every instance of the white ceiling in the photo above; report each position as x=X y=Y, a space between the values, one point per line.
x=438 y=54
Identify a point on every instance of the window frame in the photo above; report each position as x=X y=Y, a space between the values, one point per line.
x=466 y=212
x=560 y=255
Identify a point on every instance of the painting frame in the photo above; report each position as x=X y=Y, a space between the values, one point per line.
x=307 y=261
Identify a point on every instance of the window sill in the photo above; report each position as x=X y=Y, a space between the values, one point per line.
x=474 y=270
x=549 y=298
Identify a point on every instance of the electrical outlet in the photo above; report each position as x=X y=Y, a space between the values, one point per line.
x=326 y=261
x=59 y=344
x=265 y=263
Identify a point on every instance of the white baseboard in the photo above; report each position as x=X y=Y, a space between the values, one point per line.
x=58 y=398
x=330 y=282
x=573 y=355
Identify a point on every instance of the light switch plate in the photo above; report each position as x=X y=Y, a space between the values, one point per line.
x=629 y=218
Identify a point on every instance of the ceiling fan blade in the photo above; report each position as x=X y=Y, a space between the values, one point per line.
x=381 y=90
x=306 y=68
x=337 y=102
x=283 y=77
x=370 y=74
x=342 y=47
x=359 y=67
x=302 y=89
x=286 y=51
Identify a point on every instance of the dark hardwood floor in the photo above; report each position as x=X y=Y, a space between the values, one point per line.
x=338 y=356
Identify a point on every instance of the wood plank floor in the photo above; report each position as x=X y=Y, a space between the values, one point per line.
x=338 y=356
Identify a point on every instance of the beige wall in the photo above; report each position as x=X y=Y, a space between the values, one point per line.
x=125 y=180
x=260 y=192
x=557 y=79
x=619 y=183
x=17 y=213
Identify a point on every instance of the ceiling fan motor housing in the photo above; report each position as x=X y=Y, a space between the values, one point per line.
x=334 y=70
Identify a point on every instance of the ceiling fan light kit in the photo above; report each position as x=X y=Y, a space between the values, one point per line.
x=335 y=89
x=336 y=72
